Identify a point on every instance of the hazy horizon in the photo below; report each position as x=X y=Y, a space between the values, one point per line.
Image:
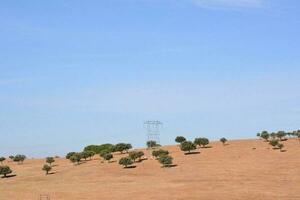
x=74 y=73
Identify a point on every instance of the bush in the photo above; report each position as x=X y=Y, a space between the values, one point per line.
x=274 y=143
x=2 y=159
x=47 y=168
x=4 y=170
x=187 y=146
x=50 y=160
x=201 y=141
x=19 y=158
x=121 y=147
x=125 y=161
x=223 y=140
x=152 y=144
x=70 y=154
x=133 y=155
x=108 y=156
x=180 y=139
x=76 y=158
x=280 y=135
x=98 y=148
x=280 y=146
x=160 y=153
x=104 y=152
x=165 y=160
x=265 y=135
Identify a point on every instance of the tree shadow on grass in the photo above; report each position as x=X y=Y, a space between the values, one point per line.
x=206 y=147
x=9 y=176
x=190 y=153
x=51 y=173
x=141 y=160
x=283 y=150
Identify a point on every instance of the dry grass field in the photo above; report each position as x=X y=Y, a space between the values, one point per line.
x=235 y=171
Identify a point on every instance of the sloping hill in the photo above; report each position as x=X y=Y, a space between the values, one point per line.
x=235 y=171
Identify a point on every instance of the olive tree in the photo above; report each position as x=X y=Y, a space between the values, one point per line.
x=2 y=159
x=180 y=139
x=265 y=135
x=70 y=154
x=133 y=155
x=223 y=140
x=152 y=144
x=50 y=160
x=85 y=155
x=280 y=135
x=201 y=142
x=108 y=156
x=19 y=158
x=159 y=153
x=165 y=160
x=47 y=168
x=4 y=170
x=121 y=147
x=125 y=161
x=76 y=158
x=187 y=146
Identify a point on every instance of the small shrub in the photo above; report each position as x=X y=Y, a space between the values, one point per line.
x=187 y=146
x=165 y=160
x=47 y=168
x=5 y=170
x=180 y=139
x=125 y=161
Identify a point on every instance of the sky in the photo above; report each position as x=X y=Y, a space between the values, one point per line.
x=74 y=73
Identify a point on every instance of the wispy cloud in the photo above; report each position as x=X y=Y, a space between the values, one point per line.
x=221 y=4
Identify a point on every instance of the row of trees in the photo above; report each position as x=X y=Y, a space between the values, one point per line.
x=280 y=135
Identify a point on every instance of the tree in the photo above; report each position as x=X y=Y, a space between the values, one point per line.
x=121 y=147
x=90 y=154
x=104 y=152
x=201 y=141
x=4 y=170
x=2 y=159
x=280 y=135
x=187 y=146
x=140 y=155
x=85 y=155
x=180 y=139
x=50 y=160
x=108 y=156
x=76 y=158
x=265 y=135
x=165 y=160
x=152 y=144
x=19 y=158
x=98 y=148
x=258 y=134
x=280 y=146
x=223 y=140
x=274 y=143
x=159 y=153
x=273 y=135
x=11 y=157
x=127 y=147
x=47 y=168
x=70 y=154
x=125 y=161
x=133 y=155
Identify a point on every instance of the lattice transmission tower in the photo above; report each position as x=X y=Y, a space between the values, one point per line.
x=153 y=130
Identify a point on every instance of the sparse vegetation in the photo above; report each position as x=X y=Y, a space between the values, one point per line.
x=180 y=139
x=47 y=168
x=187 y=146
x=126 y=161
x=5 y=170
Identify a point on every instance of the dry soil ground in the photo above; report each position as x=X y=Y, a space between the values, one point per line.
x=235 y=171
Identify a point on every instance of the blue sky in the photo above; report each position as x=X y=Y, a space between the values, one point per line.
x=74 y=73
